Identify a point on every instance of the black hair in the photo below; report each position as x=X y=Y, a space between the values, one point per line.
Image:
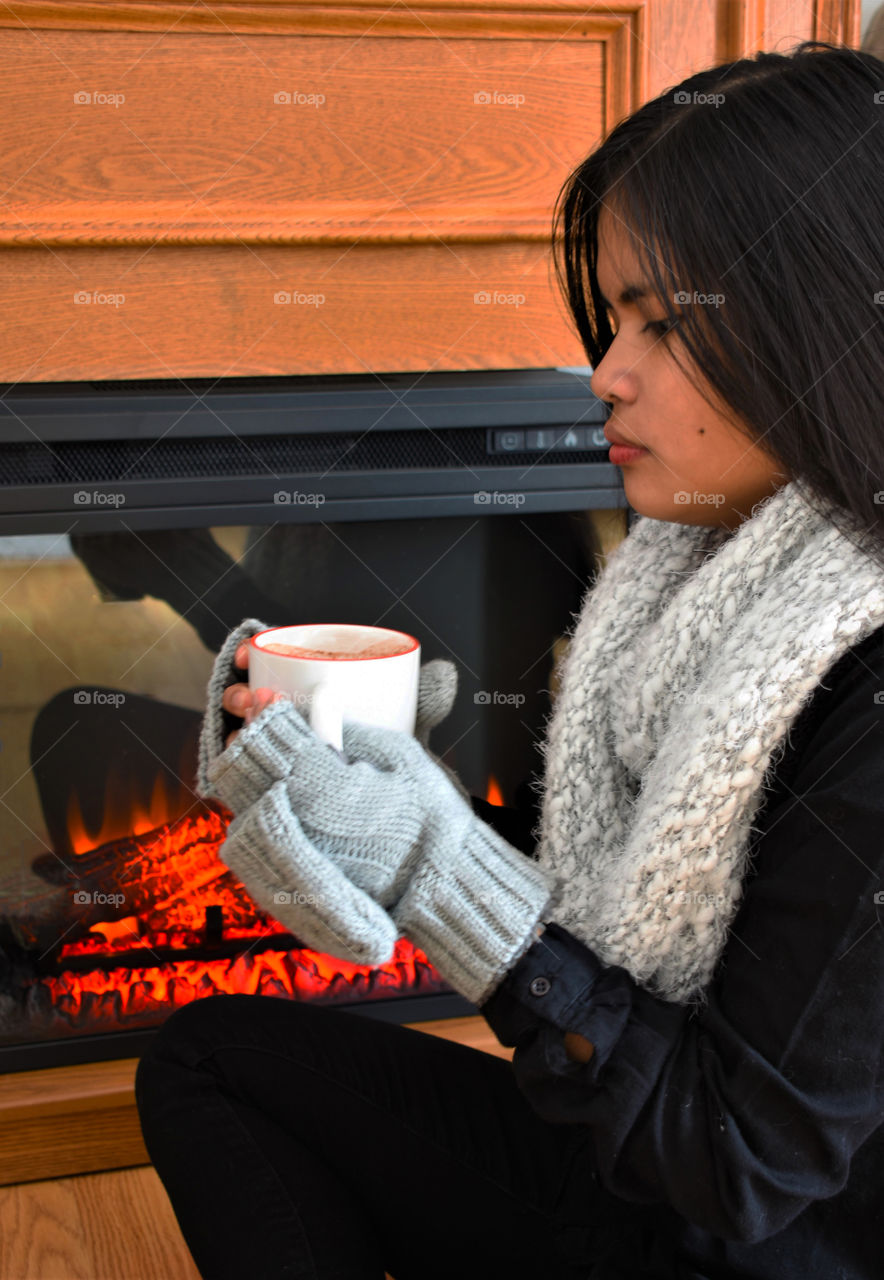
x=759 y=180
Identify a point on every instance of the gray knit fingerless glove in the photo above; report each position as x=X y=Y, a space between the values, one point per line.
x=391 y=822
x=473 y=906
x=213 y=730
x=258 y=757
x=301 y=888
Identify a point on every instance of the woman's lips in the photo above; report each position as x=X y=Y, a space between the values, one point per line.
x=619 y=454
x=621 y=450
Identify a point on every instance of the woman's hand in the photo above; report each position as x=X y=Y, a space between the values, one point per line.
x=577 y=1047
x=243 y=701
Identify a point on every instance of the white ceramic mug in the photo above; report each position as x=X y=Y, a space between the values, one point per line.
x=331 y=690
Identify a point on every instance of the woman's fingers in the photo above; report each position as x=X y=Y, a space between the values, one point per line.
x=241 y=700
x=260 y=699
x=237 y=698
x=257 y=701
x=245 y=702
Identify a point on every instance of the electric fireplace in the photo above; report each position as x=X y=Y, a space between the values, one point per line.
x=139 y=523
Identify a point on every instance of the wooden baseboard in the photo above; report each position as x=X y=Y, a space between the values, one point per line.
x=83 y=1119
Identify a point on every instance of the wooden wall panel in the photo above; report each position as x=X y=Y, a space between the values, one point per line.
x=383 y=309
x=402 y=195
x=384 y=140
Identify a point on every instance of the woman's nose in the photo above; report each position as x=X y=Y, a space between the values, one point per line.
x=612 y=378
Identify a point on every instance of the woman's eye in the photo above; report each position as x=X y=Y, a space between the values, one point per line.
x=660 y=326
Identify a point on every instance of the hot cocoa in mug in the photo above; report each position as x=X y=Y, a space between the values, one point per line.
x=354 y=651
x=337 y=672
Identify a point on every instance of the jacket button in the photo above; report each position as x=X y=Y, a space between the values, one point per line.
x=539 y=986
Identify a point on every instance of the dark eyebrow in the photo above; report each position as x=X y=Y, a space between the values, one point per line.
x=631 y=293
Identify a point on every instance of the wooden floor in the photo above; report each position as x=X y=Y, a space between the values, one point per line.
x=98 y=1226
x=120 y=1225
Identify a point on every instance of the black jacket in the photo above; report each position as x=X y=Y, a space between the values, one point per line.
x=746 y=1139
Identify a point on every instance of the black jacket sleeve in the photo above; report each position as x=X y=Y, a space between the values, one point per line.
x=740 y=1113
x=186 y=568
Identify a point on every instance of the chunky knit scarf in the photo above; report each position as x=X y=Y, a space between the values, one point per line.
x=692 y=655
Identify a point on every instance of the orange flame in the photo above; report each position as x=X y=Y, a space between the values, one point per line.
x=494 y=795
x=123 y=814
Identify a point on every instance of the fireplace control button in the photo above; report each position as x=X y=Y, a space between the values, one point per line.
x=541 y=439
x=539 y=986
x=509 y=441
x=547 y=440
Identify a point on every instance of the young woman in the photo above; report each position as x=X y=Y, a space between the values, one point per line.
x=691 y=965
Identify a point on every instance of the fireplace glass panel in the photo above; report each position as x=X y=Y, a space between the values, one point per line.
x=115 y=908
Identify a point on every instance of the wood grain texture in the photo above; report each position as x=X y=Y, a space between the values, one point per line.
x=452 y=18
x=80 y=1119
x=401 y=164
x=837 y=21
x=742 y=29
x=306 y=142
x=212 y=312
x=108 y=1226
x=148 y=163
x=67 y=1120
x=105 y=1226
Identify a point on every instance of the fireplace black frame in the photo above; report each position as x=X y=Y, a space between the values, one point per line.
x=377 y=447
x=110 y=1046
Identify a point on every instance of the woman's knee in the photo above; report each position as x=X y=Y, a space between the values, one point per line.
x=189 y=1034
x=197 y=1030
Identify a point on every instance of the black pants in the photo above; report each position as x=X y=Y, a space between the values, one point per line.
x=302 y=1141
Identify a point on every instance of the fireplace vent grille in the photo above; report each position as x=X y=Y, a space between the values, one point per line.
x=269 y=456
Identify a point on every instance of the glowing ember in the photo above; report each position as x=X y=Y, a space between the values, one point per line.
x=147 y=881
x=128 y=994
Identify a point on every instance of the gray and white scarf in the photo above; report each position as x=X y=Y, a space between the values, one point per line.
x=686 y=669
